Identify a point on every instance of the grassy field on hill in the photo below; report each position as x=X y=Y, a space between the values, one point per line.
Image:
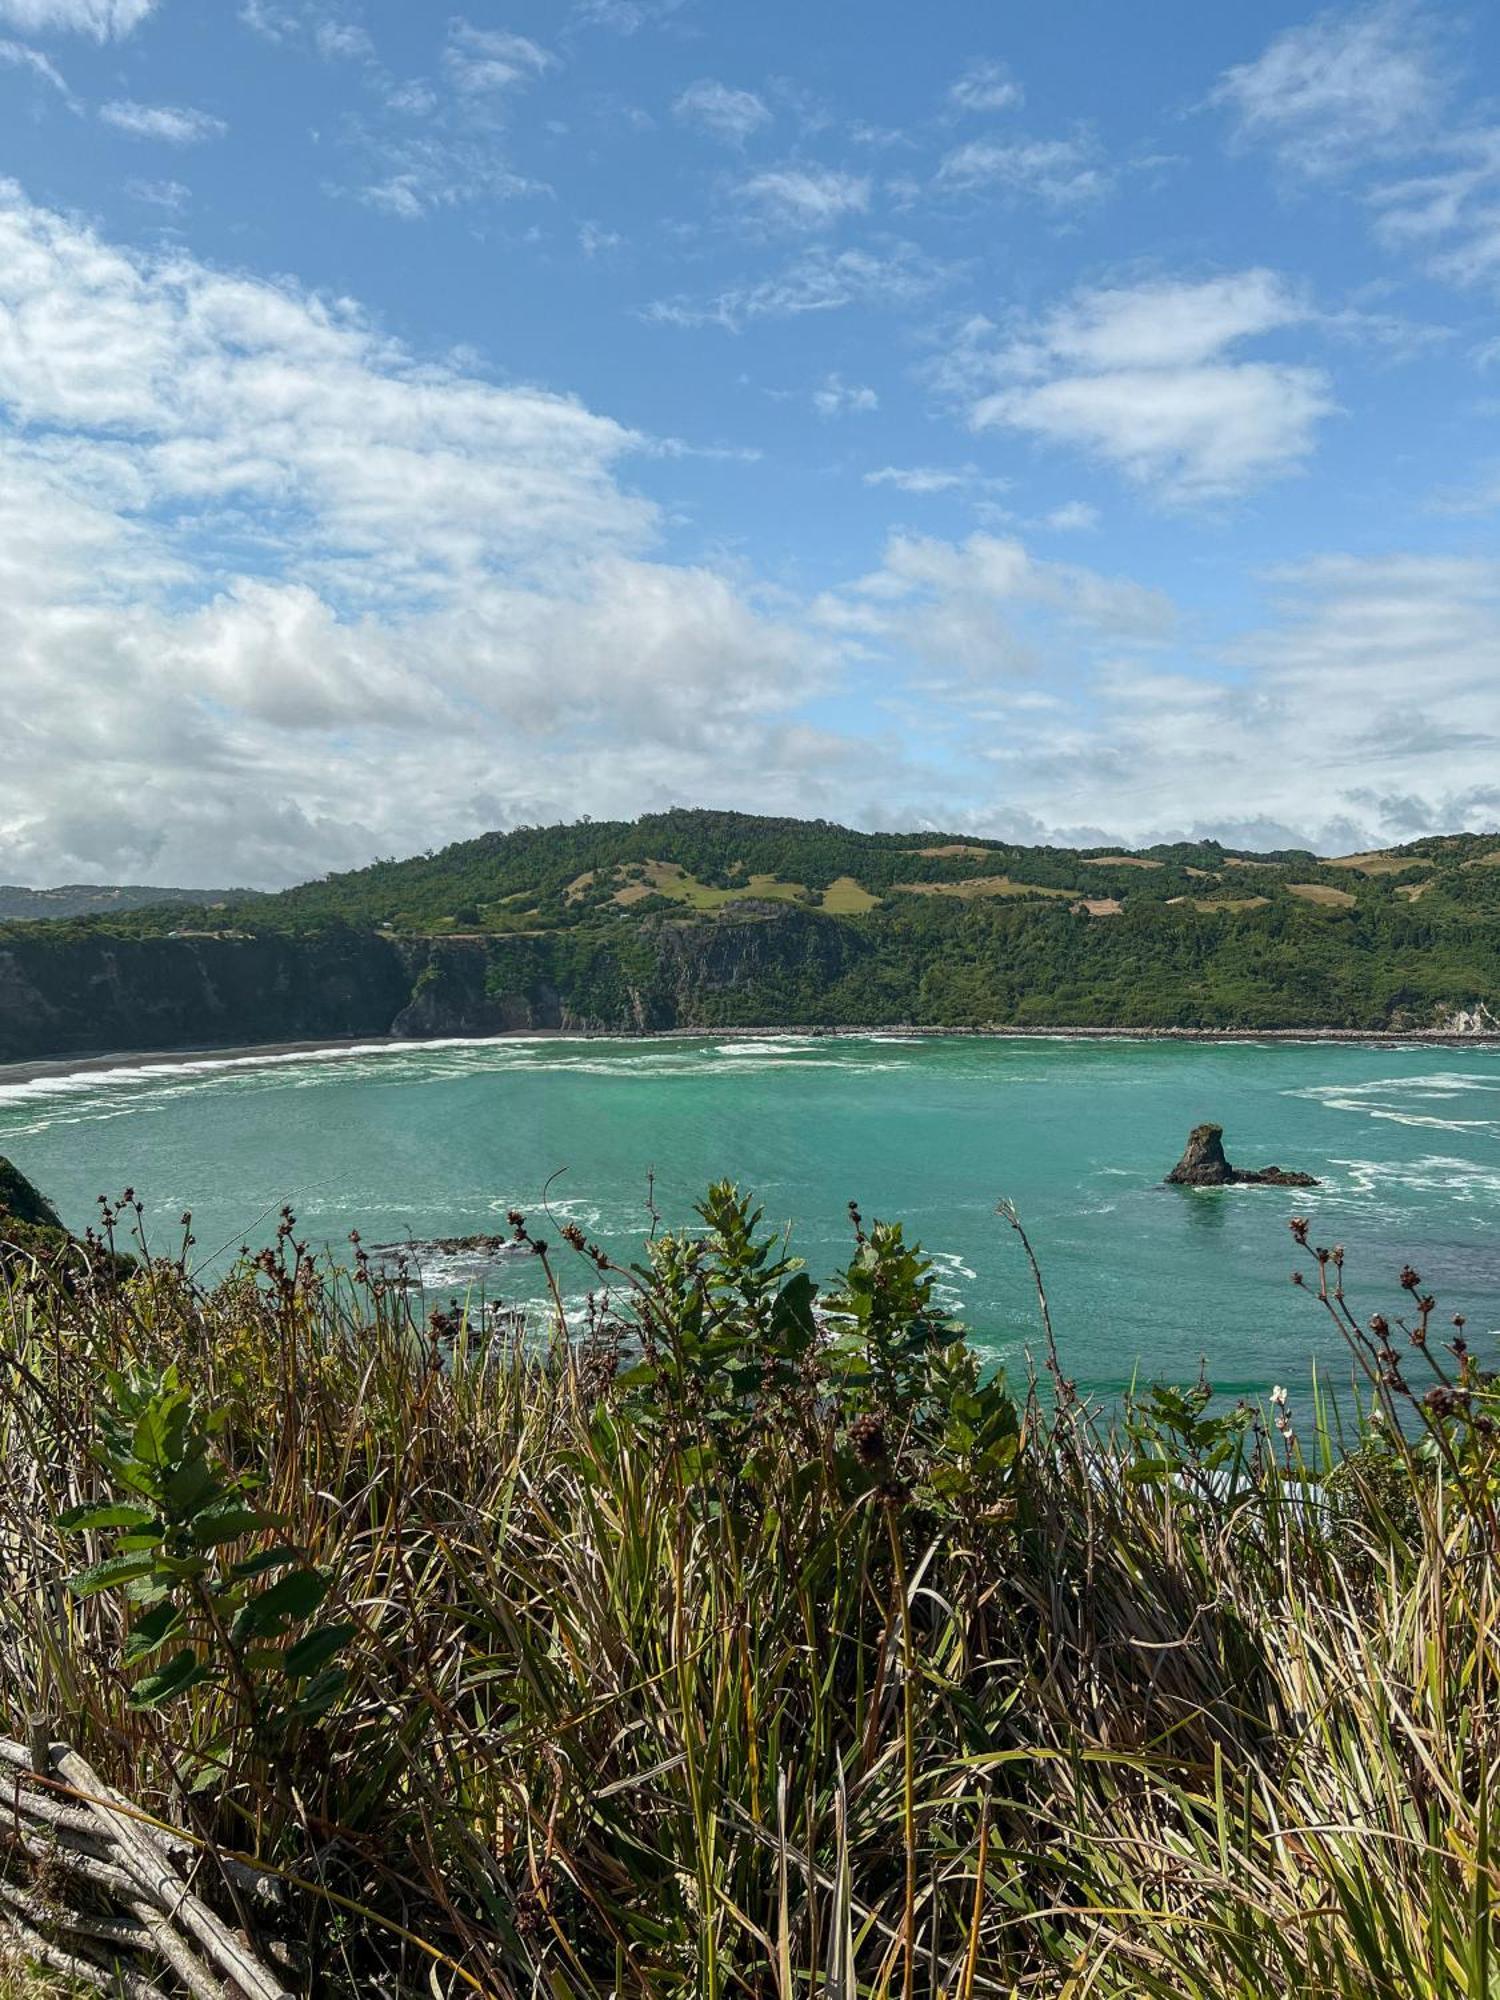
x=915 y=927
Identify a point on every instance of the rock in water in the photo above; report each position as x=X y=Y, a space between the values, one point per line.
x=1204 y=1164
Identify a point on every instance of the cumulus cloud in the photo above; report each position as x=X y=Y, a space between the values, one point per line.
x=174 y=124
x=104 y=20
x=988 y=610
x=276 y=595
x=1146 y=378
x=724 y=113
x=1350 y=85
x=1333 y=674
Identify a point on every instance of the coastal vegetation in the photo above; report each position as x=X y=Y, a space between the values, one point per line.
x=709 y=920
x=747 y=1638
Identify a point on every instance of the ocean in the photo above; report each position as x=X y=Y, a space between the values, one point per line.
x=1144 y=1281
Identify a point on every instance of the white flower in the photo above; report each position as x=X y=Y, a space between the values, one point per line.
x=1279 y=1396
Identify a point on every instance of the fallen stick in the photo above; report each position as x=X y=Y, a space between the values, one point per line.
x=155 y=1875
x=83 y=1971
x=127 y=1932
x=257 y=1882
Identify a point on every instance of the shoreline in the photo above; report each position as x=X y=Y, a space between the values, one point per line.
x=41 y=1069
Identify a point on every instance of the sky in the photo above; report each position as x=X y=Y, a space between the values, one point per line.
x=1054 y=421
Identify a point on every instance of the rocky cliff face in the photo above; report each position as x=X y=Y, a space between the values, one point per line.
x=93 y=995
x=96 y=995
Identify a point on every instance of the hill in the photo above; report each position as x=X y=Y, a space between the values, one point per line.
x=708 y=919
x=90 y=899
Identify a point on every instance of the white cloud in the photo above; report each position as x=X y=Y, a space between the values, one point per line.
x=1352 y=84
x=484 y=60
x=16 y=55
x=324 y=25
x=837 y=398
x=275 y=595
x=421 y=175
x=1063 y=173
x=986 y=86
x=175 y=124
x=796 y=196
x=1450 y=213
x=1144 y=378
x=918 y=479
x=818 y=281
x=1074 y=517
x=985 y=614
x=1388 y=664
x=170 y=195
x=728 y=114
x=594 y=240
x=105 y=20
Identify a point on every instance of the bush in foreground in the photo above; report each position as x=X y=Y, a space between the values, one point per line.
x=752 y=1642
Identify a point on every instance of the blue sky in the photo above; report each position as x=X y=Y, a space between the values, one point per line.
x=1055 y=422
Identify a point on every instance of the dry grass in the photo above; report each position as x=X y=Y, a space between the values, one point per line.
x=750 y=1645
x=1118 y=861
x=1376 y=862
x=1211 y=904
x=666 y=878
x=1320 y=892
x=847 y=898
x=1101 y=906
x=979 y=885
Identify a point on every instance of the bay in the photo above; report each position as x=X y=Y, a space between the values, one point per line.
x=441 y=1139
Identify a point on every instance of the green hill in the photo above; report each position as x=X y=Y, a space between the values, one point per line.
x=709 y=919
x=90 y=899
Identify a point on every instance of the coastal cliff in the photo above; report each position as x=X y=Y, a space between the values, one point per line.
x=94 y=995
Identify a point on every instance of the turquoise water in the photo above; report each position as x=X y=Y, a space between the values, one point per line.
x=441 y=1139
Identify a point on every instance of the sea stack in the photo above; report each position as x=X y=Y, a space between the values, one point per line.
x=1204 y=1164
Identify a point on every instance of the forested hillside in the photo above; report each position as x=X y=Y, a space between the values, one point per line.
x=91 y=899
x=704 y=919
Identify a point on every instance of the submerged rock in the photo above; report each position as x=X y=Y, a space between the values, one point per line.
x=1204 y=1164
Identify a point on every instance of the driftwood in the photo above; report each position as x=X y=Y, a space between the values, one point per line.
x=89 y=1847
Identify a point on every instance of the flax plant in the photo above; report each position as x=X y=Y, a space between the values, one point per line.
x=752 y=1641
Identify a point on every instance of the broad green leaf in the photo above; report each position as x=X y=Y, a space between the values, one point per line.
x=315 y=1649
x=108 y=1515
x=110 y=1573
x=163 y=1622
x=183 y=1671
x=296 y=1596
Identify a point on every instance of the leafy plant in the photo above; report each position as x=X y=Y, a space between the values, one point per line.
x=240 y=1619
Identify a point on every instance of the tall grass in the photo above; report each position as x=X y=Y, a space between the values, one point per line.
x=753 y=1644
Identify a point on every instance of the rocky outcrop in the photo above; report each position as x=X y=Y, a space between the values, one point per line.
x=1204 y=1164
x=32 y=1232
x=1475 y=1020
